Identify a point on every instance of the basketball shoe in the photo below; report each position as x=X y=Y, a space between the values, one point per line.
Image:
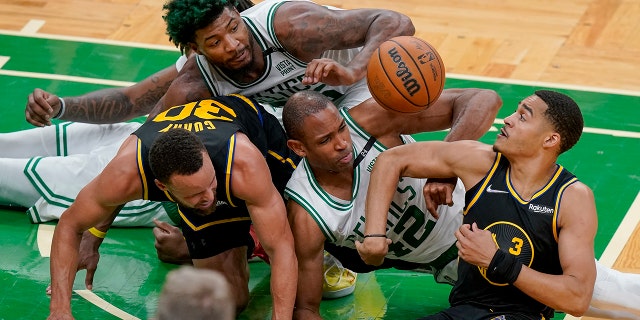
x=338 y=280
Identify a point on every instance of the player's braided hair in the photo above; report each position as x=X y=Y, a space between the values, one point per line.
x=176 y=151
x=185 y=17
x=564 y=115
x=298 y=107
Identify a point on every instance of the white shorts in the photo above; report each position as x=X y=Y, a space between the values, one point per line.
x=60 y=160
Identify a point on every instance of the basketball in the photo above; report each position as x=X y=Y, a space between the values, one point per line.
x=405 y=74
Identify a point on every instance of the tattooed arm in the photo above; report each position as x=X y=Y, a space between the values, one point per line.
x=307 y=30
x=188 y=86
x=102 y=106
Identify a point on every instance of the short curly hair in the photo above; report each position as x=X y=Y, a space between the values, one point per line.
x=176 y=151
x=565 y=116
x=185 y=17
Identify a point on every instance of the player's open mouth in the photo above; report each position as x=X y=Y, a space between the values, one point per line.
x=503 y=133
x=346 y=158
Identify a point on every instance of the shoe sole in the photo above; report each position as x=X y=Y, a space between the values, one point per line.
x=338 y=293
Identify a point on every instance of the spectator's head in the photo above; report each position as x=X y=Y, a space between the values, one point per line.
x=193 y=294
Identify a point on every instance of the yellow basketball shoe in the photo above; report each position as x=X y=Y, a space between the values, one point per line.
x=338 y=280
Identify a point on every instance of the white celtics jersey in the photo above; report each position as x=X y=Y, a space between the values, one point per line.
x=283 y=72
x=416 y=235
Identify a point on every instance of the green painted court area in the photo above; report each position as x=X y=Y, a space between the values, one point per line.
x=129 y=276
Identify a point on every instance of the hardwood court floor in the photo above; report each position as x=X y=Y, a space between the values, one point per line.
x=588 y=48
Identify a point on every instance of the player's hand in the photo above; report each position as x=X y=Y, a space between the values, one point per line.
x=438 y=192
x=41 y=107
x=170 y=243
x=88 y=256
x=475 y=246
x=373 y=250
x=328 y=71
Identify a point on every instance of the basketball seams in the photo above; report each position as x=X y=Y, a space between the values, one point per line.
x=424 y=81
x=373 y=94
x=399 y=90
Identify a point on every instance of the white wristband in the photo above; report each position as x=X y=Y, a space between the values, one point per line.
x=62 y=108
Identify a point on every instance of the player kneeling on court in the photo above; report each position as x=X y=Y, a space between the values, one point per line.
x=219 y=171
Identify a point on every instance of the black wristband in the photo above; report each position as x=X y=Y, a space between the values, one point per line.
x=504 y=268
x=375 y=235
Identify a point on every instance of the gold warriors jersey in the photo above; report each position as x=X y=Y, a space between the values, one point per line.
x=526 y=229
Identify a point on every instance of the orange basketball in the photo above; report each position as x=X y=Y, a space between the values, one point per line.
x=405 y=74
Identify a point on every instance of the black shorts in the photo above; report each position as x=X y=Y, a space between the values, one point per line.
x=471 y=312
x=225 y=229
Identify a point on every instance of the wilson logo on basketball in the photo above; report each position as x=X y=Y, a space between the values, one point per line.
x=403 y=73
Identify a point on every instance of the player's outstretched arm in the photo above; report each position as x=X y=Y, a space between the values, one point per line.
x=307 y=30
x=309 y=244
x=468 y=112
x=102 y=106
x=116 y=185
x=251 y=181
x=433 y=159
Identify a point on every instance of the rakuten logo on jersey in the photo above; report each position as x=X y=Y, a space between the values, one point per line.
x=540 y=209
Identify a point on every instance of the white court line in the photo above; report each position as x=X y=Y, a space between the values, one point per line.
x=3 y=61
x=44 y=236
x=90 y=40
x=544 y=84
x=32 y=26
x=26 y=74
x=104 y=305
x=625 y=229
x=619 y=239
